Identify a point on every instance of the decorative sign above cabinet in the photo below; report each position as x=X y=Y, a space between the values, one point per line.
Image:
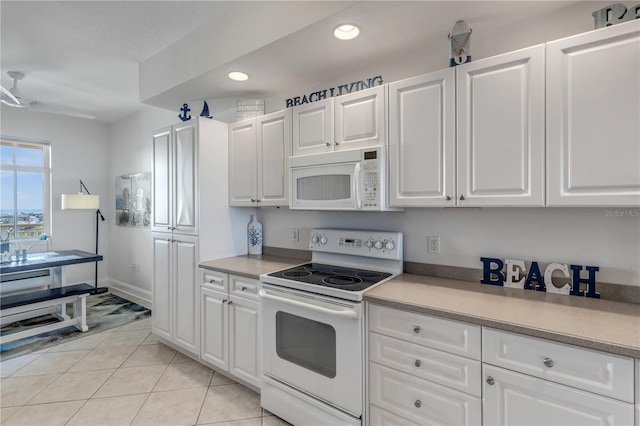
x=343 y=89
x=615 y=14
x=492 y=274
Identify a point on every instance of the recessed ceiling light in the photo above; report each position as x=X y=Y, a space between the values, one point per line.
x=238 y=76
x=346 y=32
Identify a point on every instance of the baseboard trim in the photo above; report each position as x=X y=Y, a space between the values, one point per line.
x=131 y=293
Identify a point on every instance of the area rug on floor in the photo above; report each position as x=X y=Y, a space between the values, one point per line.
x=104 y=311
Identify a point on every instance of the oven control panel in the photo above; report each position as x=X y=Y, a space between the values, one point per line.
x=377 y=244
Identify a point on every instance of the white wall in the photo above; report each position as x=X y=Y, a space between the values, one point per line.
x=130 y=152
x=79 y=150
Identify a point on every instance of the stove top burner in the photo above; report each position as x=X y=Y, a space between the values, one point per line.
x=343 y=278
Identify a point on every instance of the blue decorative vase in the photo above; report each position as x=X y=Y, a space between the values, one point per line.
x=254 y=236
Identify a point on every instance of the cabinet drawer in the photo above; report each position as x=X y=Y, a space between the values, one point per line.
x=599 y=372
x=380 y=417
x=453 y=371
x=421 y=401
x=447 y=335
x=243 y=286
x=214 y=280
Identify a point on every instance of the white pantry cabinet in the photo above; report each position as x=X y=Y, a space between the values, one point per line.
x=356 y=120
x=175 y=292
x=593 y=125
x=230 y=314
x=175 y=179
x=259 y=150
x=470 y=136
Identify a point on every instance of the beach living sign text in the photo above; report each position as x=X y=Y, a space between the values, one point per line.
x=343 y=89
x=515 y=275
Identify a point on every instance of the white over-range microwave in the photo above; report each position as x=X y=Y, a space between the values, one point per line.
x=354 y=179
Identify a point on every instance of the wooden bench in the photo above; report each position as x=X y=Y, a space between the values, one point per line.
x=14 y=306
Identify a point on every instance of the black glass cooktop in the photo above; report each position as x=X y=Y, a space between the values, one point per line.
x=349 y=279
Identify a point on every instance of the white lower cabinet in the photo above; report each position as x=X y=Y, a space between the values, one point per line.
x=422 y=370
x=230 y=325
x=512 y=398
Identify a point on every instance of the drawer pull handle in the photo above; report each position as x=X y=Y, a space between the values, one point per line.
x=243 y=288
x=418 y=403
x=490 y=380
x=416 y=329
x=548 y=362
x=418 y=363
x=211 y=281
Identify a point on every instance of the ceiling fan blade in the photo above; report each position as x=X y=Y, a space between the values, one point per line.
x=36 y=106
x=8 y=98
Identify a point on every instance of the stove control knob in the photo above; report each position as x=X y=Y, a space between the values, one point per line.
x=315 y=239
x=389 y=245
x=369 y=243
x=323 y=240
x=378 y=244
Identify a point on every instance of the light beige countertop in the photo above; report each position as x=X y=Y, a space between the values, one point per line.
x=591 y=323
x=251 y=266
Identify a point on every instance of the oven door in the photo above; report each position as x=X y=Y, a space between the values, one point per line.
x=326 y=187
x=314 y=343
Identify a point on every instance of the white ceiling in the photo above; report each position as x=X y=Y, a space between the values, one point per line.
x=85 y=54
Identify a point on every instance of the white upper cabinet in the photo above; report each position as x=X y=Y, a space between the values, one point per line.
x=360 y=119
x=313 y=128
x=422 y=140
x=593 y=118
x=356 y=120
x=500 y=130
x=259 y=150
x=175 y=179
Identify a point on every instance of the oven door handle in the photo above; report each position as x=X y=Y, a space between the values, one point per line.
x=320 y=309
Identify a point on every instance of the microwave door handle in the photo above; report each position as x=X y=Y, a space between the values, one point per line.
x=320 y=309
x=356 y=186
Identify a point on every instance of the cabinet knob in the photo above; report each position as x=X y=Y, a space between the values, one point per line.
x=418 y=403
x=462 y=197
x=327 y=143
x=230 y=302
x=243 y=288
x=448 y=198
x=253 y=201
x=548 y=362
x=490 y=380
x=224 y=300
x=169 y=228
x=418 y=363
x=416 y=329
x=336 y=143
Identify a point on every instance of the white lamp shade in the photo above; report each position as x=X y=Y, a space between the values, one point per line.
x=80 y=202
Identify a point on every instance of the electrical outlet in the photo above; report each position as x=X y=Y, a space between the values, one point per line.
x=433 y=245
x=295 y=234
x=135 y=267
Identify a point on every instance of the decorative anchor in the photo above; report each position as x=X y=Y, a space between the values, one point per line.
x=205 y=111
x=460 y=51
x=185 y=109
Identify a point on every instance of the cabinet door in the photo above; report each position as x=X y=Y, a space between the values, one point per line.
x=313 y=128
x=516 y=399
x=186 y=312
x=244 y=340
x=593 y=128
x=422 y=140
x=360 y=119
x=161 y=211
x=500 y=130
x=274 y=149
x=214 y=326
x=162 y=294
x=242 y=163
x=185 y=166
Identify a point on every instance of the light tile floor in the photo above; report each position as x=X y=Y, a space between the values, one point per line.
x=122 y=377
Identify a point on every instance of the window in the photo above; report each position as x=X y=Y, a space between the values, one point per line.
x=25 y=188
